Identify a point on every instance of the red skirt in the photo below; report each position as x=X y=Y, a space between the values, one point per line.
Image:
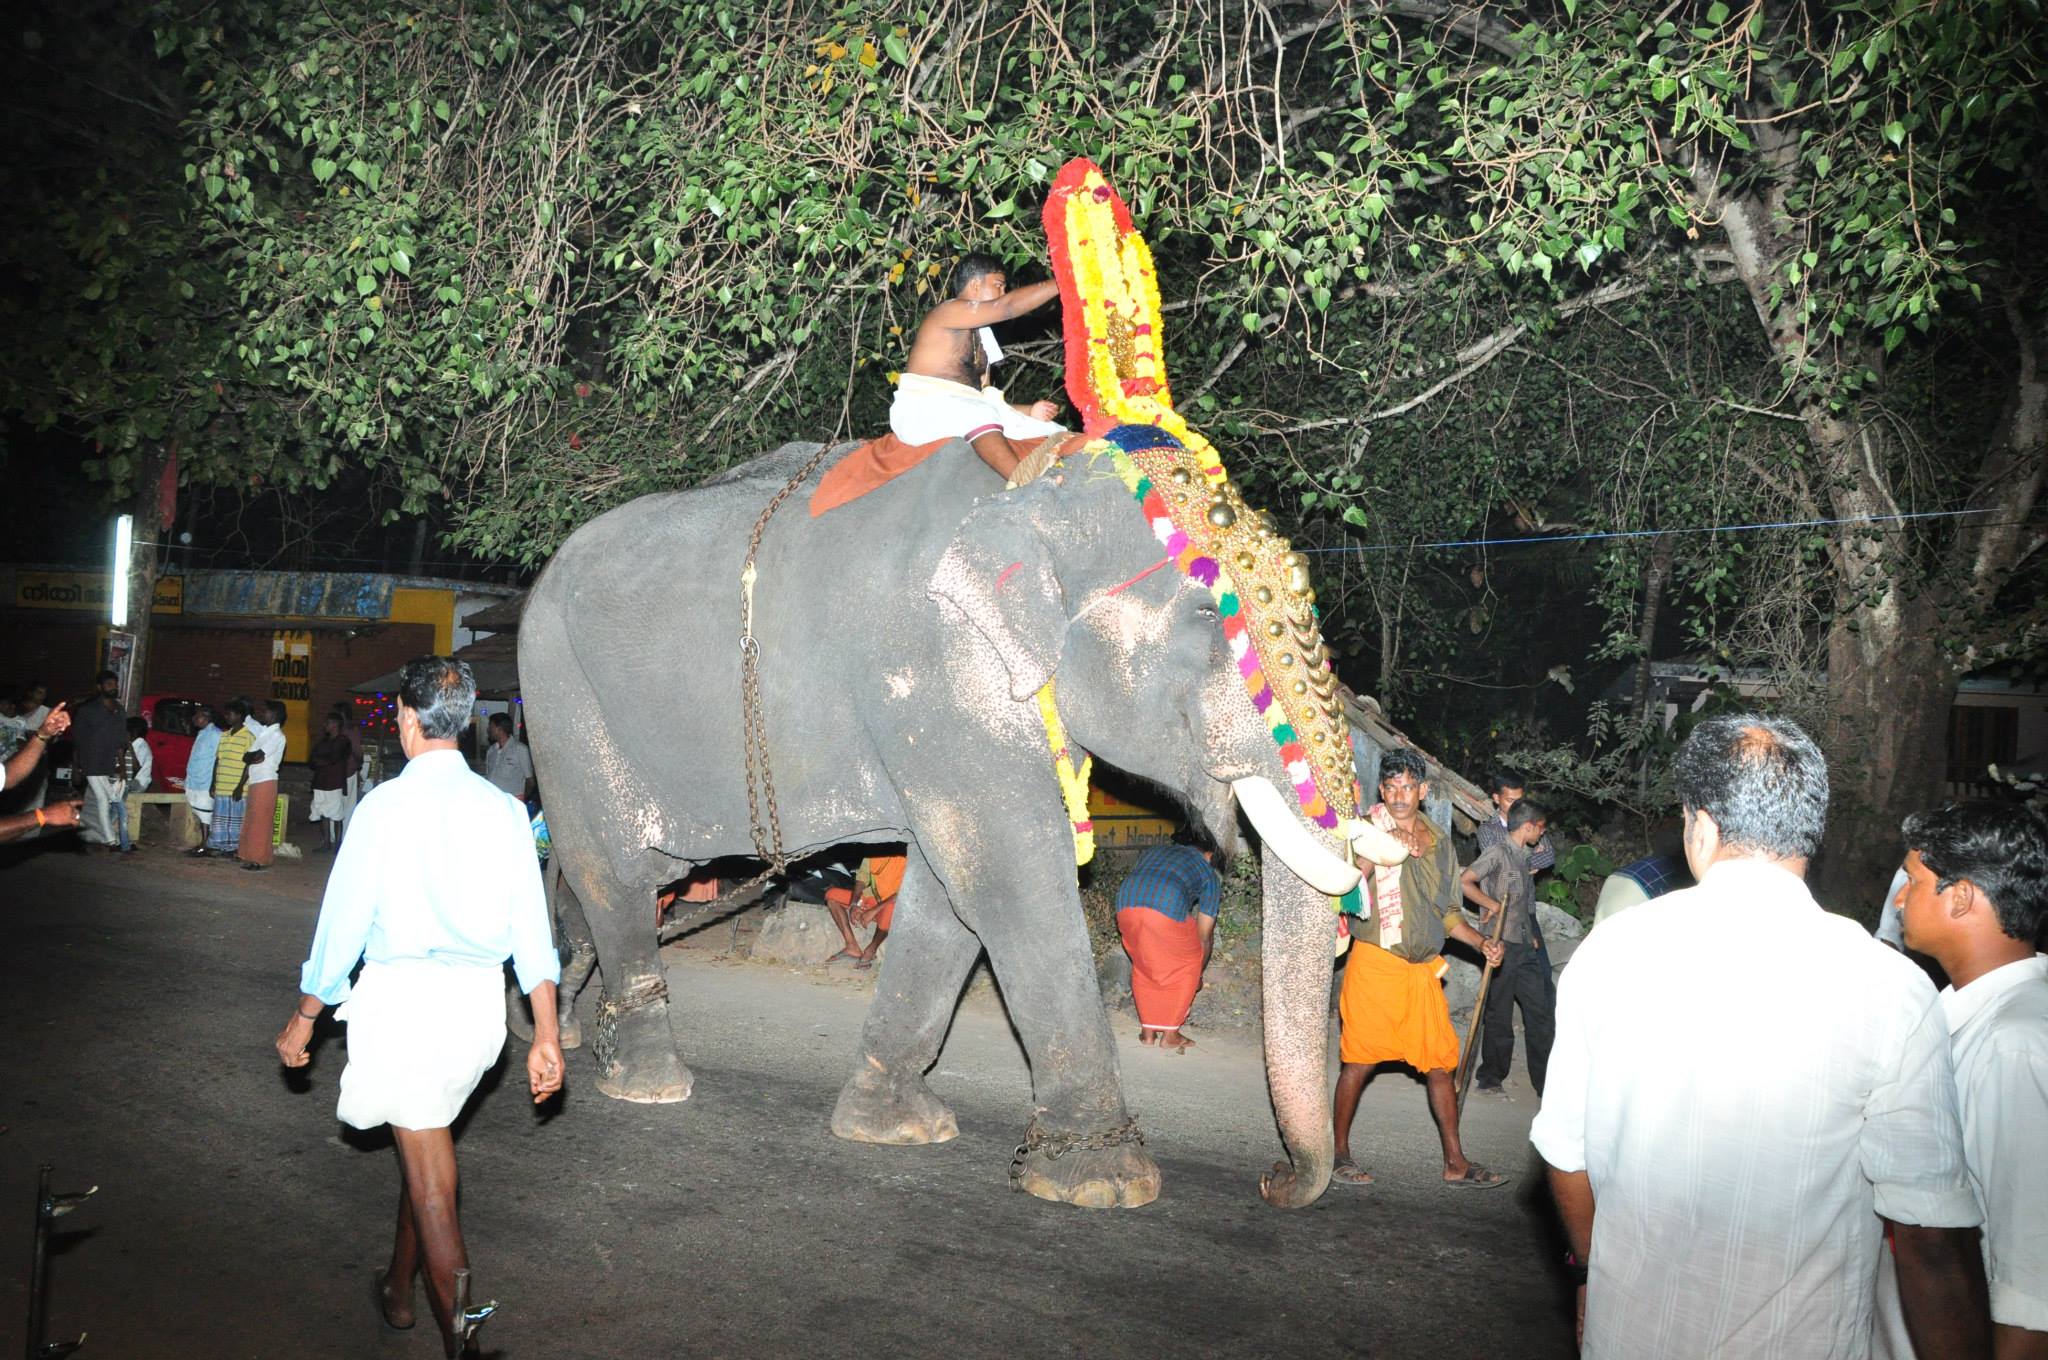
x=1166 y=965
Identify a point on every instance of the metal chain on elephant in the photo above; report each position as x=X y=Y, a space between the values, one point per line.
x=1058 y=1145
x=768 y=840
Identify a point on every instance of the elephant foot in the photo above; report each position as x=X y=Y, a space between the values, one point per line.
x=572 y=1031
x=1095 y=1171
x=636 y=1055
x=875 y=1107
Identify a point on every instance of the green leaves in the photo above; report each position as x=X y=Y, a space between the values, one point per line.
x=323 y=169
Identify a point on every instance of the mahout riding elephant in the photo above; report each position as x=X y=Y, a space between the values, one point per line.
x=902 y=639
x=918 y=663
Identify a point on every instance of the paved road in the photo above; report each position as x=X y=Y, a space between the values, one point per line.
x=139 y=998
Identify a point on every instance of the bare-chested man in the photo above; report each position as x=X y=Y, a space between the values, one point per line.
x=944 y=392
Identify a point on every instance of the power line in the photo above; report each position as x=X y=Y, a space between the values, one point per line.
x=1652 y=533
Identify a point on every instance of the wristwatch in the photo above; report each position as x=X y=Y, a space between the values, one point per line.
x=1575 y=1268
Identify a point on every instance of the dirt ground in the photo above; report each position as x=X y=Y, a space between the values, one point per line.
x=236 y=1217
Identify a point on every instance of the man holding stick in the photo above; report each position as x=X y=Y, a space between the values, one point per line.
x=1746 y=1089
x=1502 y=883
x=1393 y=1004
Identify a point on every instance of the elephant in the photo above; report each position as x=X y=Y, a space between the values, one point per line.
x=903 y=638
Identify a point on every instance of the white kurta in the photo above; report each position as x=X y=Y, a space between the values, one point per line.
x=1748 y=1081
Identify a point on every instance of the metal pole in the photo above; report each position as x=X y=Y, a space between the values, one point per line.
x=49 y=1208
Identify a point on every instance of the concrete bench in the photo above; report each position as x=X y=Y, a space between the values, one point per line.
x=181 y=827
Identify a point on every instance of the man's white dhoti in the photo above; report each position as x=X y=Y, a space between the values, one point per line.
x=927 y=410
x=103 y=795
x=421 y=1035
x=201 y=803
x=328 y=805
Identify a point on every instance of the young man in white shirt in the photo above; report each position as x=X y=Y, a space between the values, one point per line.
x=1746 y=1088
x=1975 y=901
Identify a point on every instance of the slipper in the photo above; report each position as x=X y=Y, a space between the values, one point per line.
x=377 y=1298
x=1348 y=1172
x=1477 y=1177
x=863 y=962
x=848 y=955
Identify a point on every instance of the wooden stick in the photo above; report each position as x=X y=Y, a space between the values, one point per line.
x=1469 y=1059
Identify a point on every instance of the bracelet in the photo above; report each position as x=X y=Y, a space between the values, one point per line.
x=40 y=820
x=303 y=1016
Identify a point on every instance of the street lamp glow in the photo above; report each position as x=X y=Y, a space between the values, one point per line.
x=124 y=548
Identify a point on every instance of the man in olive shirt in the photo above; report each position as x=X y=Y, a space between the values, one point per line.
x=1393 y=1005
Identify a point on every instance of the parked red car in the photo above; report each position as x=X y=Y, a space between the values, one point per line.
x=171 y=726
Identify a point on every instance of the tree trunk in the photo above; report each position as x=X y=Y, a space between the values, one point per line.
x=1654 y=580
x=145 y=563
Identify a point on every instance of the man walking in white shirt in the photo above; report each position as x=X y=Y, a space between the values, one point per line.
x=1745 y=1089
x=432 y=890
x=1975 y=901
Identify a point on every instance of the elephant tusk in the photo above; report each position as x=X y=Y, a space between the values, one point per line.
x=1376 y=845
x=1281 y=829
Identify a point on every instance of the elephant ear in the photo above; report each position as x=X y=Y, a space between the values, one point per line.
x=998 y=573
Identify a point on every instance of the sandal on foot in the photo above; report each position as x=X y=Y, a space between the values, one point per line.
x=1348 y=1172
x=378 y=1297
x=844 y=956
x=1476 y=1177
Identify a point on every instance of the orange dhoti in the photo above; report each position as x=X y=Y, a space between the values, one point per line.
x=1395 y=1011
x=879 y=880
x=258 y=814
x=1166 y=965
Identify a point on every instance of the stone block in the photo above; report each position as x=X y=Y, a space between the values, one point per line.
x=797 y=933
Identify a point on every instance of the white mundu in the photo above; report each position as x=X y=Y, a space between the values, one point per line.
x=1748 y=1082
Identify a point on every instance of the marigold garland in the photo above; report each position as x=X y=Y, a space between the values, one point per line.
x=1073 y=777
x=1116 y=375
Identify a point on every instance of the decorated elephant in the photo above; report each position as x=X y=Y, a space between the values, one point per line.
x=922 y=655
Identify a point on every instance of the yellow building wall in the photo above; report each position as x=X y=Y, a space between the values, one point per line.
x=419 y=604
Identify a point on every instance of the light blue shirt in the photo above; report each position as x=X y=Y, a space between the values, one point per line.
x=436 y=865
x=199 y=765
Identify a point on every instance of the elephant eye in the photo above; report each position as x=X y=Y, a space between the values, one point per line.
x=1207 y=612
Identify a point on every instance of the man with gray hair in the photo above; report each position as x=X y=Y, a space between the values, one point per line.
x=435 y=885
x=1747 y=1090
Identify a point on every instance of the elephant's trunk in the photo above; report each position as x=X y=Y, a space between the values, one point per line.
x=1300 y=932
x=1280 y=827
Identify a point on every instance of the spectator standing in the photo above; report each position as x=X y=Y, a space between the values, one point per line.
x=1975 y=901
x=431 y=892
x=353 y=730
x=230 y=782
x=508 y=764
x=330 y=779
x=99 y=735
x=199 y=769
x=33 y=708
x=14 y=730
x=1166 y=913
x=1745 y=1088
x=259 y=817
x=137 y=769
x=1501 y=880
x=1641 y=881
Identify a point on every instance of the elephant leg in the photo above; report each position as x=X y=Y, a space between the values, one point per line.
x=930 y=954
x=579 y=960
x=1081 y=1147
x=634 y=1045
x=572 y=934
